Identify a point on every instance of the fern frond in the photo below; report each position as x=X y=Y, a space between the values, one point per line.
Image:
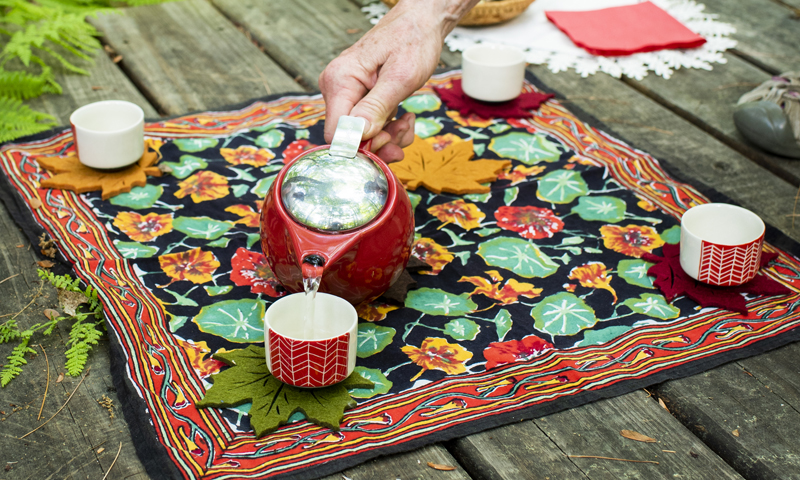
x=17 y=120
x=66 y=29
x=9 y=331
x=16 y=360
x=23 y=85
x=81 y=338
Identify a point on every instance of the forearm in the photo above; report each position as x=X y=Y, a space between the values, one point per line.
x=443 y=15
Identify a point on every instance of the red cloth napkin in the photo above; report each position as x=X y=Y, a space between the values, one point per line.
x=520 y=107
x=625 y=30
x=673 y=281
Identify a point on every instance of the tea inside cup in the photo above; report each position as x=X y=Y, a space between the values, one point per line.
x=492 y=73
x=109 y=134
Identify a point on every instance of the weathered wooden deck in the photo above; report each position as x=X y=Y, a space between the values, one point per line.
x=200 y=54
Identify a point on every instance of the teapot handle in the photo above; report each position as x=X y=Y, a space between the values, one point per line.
x=365 y=145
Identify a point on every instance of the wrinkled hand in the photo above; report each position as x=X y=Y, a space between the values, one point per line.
x=389 y=63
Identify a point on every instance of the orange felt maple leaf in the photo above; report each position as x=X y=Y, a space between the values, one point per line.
x=72 y=175
x=448 y=170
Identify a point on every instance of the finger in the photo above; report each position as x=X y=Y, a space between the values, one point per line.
x=377 y=106
x=379 y=140
x=340 y=94
x=390 y=153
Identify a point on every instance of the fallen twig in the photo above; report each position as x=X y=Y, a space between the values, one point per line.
x=9 y=278
x=612 y=458
x=115 y=461
x=46 y=385
x=62 y=406
x=15 y=315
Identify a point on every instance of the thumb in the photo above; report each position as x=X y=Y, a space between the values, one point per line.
x=379 y=105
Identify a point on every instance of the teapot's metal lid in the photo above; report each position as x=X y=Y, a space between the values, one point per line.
x=334 y=193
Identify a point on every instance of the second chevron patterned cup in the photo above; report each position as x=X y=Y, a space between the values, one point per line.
x=721 y=244
x=314 y=357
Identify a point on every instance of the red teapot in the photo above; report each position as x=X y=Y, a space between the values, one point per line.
x=337 y=212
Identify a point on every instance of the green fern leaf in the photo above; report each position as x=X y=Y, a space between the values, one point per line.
x=9 y=331
x=17 y=120
x=23 y=85
x=16 y=360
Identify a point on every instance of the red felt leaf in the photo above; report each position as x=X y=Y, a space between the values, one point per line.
x=673 y=281
x=520 y=107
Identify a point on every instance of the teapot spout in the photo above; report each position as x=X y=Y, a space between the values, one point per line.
x=312 y=266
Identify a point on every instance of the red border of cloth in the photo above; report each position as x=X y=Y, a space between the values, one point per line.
x=615 y=31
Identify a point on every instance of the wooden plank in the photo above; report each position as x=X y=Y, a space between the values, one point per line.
x=539 y=449
x=185 y=56
x=302 y=36
x=767 y=31
x=104 y=82
x=408 y=466
x=708 y=99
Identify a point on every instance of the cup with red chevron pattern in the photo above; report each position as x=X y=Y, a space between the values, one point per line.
x=721 y=244
x=310 y=339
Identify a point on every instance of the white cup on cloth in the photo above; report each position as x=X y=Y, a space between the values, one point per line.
x=721 y=244
x=109 y=134
x=492 y=73
x=311 y=358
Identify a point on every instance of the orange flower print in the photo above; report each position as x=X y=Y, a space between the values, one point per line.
x=196 y=353
x=430 y=252
x=375 y=311
x=466 y=215
x=250 y=217
x=247 y=154
x=505 y=295
x=470 y=120
x=440 y=142
x=520 y=173
x=646 y=204
x=437 y=354
x=631 y=240
x=194 y=265
x=529 y=222
x=143 y=228
x=593 y=275
x=203 y=186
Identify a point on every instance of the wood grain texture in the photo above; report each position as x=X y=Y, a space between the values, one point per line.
x=302 y=35
x=185 y=56
x=767 y=31
x=407 y=466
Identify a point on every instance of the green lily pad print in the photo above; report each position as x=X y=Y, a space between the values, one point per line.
x=563 y=314
x=502 y=323
x=195 y=144
x=478 y=197
x=635 y=272
x=262 y=187
x=518 y=255
x=186 y=165
x=602 y=209
x=672 y=235
x=478 y=148
x=373 y=339
x=426 y=127
x=414 y=198
x=272 y=139
x=653 y=306
x=139 y=197
x=499 y=128
x=214 y=291
x=510 y=195
x=252 y=238
x=462 y=329
x=220 y=243
x=561 y=186
x=201 y=227
x=381 y=383
x=176 y=322
x=240 y=321
x=135 y=250
x=421 y=103
x=239 y=190
x=525 y=147
x=597 y=337
x=485 y=232
x=301 y=134
x=434 y=301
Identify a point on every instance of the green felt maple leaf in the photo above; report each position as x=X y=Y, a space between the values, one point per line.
x=273 y=402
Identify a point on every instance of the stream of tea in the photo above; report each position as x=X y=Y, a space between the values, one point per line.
x=311 y=330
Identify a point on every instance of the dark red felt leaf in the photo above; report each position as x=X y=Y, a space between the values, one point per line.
x=520 y=107
x=673 y=281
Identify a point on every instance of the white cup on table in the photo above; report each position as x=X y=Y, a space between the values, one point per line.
x=492 y=73
x=108 y=134
x=721 y=244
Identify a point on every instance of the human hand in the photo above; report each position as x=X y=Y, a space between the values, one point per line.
x=389 y=63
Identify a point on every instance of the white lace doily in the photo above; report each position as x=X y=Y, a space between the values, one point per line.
x=544 y=43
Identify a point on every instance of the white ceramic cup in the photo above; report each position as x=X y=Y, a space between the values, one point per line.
x=311 y=359
x=721 y=244
x=108 y=134
x=492 y=73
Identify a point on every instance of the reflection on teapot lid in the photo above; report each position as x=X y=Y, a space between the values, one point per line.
x=333 y=193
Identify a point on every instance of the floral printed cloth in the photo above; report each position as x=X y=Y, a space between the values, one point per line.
x=537 y=298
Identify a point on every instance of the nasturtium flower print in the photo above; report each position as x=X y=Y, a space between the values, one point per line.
x=501 y=353
x=374 y=311
x=530 y=222
x=195 y=265
x=505 y=295
x=247 y=155
x=202 y=186
x=437 y=354
x=294 y=149
x=250 y=217
x=251 y=269
x=466 y=215
x=520 y=173
x=430 y=252
x=440 y=142
x=631 y=240
x=143 y=228
x=593 y=275
x=470 y=120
